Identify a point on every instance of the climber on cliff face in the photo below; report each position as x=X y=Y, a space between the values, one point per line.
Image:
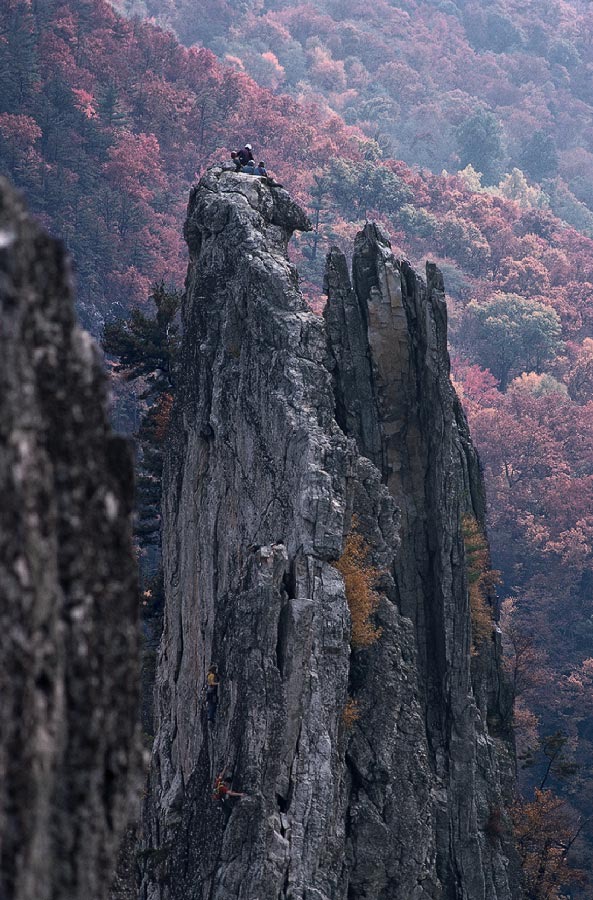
x=222 y=788
x=212 y=685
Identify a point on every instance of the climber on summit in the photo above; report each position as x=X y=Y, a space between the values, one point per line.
x=245 y=156
x=212 y=685
x=253 y=169
x=242 y=157
x=222 y=787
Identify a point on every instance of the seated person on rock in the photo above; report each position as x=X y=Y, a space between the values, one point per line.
x=245 y=156
x=242 y=157
x=252 y=169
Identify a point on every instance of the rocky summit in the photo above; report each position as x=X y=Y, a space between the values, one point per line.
x=69 y=751
x=364 y=772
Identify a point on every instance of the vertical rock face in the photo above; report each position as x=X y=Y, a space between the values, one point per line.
x=285 y=429
x=412 y=427
x=68 y=599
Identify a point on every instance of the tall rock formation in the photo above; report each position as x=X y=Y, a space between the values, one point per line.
x=69 y=754
x=286 y=433
x=388 y=344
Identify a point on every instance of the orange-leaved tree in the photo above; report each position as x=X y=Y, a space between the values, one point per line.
x=350 y=713
x=481 y=579
x=544 y=835
x=360 y=578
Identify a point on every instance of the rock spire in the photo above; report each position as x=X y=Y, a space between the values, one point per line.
x=288 y=432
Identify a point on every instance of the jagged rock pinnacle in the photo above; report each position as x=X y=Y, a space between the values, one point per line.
x=411 y=425
x=258 y=214
x=282 y=435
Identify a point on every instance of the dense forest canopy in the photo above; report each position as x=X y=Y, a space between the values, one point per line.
x=501 y=86
x=105 y=121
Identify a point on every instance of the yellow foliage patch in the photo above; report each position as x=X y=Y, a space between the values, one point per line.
x=360 y=578
x=481 y=580
x=350 y=713
x=544 y=833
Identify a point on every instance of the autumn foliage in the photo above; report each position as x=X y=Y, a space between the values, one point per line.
x=481 y=580
x=350 y=713
x=105 y=123
x=544 y=834
x=360 y=578
x=163 y=416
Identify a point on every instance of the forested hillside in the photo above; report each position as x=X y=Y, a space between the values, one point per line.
x=104 y=123
x=437 y=84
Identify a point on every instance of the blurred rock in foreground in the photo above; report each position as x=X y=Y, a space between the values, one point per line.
x=68 y=596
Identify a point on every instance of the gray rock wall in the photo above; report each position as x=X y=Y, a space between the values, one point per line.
x=284 y=429
x=69 y=756
x=413 y=428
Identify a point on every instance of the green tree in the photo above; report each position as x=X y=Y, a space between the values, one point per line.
x=539 y=157
x=551 y=757
x=564 y=53
x=319 y=205
x=510 y=334
x=360 y=187
x=480 y=142
x=514 y=186
x=418 y=221
x=462 y=241
x=501 y=34
x=146 y=349
x=565 y=205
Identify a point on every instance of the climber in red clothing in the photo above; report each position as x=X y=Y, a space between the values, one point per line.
x=222 y=787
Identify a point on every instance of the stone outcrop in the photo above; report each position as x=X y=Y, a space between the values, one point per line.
x=69 y=757
x=388 y=345
x=286 y=428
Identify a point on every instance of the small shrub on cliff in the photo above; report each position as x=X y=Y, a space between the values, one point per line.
x=360 y=578
x=481 y=580
x=350 y=713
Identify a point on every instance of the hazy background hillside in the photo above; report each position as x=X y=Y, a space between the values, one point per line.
x=440 y=85
x=105 y=122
